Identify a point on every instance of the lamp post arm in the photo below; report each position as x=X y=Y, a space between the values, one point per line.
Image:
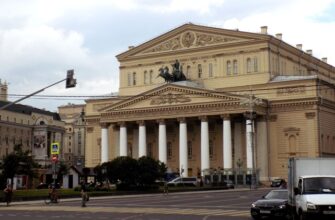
x=32 y=94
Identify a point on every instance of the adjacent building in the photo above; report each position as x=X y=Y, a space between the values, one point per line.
x=30 y=128
x=249 y=102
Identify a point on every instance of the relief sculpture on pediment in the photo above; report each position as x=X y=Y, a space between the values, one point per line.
x=170 y=99
x=189 y=39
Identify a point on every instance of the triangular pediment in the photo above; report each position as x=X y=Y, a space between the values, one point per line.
x=171 y=95
x=190 y=36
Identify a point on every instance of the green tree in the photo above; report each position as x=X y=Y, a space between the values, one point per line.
x=124 y=170
x=18 y=163
x=150 y=170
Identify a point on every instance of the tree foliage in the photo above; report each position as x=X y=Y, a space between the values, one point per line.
x=18 y=163
x=130 y=172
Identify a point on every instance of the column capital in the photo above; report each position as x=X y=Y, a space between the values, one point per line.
x=203 y=118
x=141 y=122
x=181 y=119
x=105 y=124
x=161 y=121
x=122 y=123
x=225 y=116
x=250 y=115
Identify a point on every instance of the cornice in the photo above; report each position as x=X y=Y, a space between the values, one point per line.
x=291 y=106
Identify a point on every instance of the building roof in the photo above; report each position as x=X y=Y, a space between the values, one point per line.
x=291 y=78
x=28 y=110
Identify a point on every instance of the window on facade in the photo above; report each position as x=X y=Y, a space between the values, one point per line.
x=211 y=149
x=292 y=144
x=149 y=150
x=129 y=79
x=189 y=149
x=228 y=67
x=69 y=143
x=235 y=67
x=255 y=64
x=210 y=70
x=169 y=150
x=145 y=77
x=134 y=78
x=199 y=70
x=130 y=150
x=69 y=150
x=188 y=71
x=249 y=65
x=151 y=76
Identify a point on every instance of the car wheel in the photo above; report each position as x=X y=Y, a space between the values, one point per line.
x=256 y=217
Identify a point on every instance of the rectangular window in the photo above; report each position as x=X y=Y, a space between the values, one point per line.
x=189 y=150
x=169 y=150
x=210 y=70
x=255 y=64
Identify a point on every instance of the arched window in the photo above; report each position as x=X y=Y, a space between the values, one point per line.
x=188 y=71
x=249 y=65
x=134 y=78
x=228 y=67
x=145 y=77
x=255 y=64
x=235 y=67
x=210 y=70
x=151 y=76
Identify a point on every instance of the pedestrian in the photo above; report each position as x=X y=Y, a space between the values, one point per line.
x=166 y=188
x=84 y=195
x=283 y=184
x=8 y=193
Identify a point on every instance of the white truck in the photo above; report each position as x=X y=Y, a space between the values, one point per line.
x=311 y=187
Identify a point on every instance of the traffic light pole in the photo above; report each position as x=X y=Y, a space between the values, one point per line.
x=70 y=82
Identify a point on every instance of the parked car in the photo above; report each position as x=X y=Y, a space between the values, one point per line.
x=273 y=204
x=183 y=181
x=277 y=182
x=229 y=183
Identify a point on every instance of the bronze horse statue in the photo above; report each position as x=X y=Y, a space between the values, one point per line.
x=177 y=73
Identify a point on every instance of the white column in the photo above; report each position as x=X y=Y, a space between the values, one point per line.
x=104 y=143
x=204 y=146
x=123 y=140
x=183 y=160
x=227 y=144
x=249 y=138
x=162 y=145
x=142 y=140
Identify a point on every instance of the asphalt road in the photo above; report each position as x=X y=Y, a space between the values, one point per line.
x=209 y=205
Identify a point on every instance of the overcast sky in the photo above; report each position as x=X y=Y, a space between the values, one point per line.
x=41 y=39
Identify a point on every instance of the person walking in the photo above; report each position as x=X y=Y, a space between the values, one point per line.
x=166 y=188
x=84 y=196
x=8 y=193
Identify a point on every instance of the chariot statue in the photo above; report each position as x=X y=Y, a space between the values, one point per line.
x=176 y=75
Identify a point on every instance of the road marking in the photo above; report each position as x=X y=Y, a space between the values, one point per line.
x=141 y=210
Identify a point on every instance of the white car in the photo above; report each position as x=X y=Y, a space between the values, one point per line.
x=183 y=181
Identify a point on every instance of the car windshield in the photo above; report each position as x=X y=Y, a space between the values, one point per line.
x=277 y=194
x=319 y=185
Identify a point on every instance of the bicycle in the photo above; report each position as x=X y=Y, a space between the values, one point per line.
x=52 y=198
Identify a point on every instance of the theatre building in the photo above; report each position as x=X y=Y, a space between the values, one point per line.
x=204 y=99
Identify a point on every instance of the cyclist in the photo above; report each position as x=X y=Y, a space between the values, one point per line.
x=53 y=195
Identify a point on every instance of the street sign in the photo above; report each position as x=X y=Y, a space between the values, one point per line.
x=54 y=149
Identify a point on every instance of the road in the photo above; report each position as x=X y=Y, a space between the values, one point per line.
x=209 y=205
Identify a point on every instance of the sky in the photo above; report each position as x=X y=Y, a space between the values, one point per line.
x=41 y=39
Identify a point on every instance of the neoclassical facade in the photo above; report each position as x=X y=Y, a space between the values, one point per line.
x=250 y=101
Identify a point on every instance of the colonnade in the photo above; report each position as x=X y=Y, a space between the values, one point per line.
x=183 y=150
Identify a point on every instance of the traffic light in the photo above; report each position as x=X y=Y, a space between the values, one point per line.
x=70 y=81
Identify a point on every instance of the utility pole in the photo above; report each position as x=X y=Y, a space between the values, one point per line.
x=70 y=82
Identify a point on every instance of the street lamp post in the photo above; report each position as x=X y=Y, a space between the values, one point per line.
x=250 y=102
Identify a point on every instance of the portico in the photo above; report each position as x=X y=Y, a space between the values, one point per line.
x=185 y=142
